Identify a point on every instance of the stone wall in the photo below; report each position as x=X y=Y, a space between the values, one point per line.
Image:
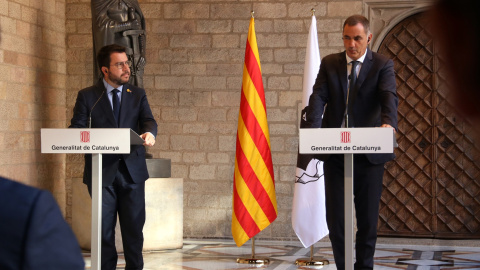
x=193 y=77
x=32 y=90
x=193 y=80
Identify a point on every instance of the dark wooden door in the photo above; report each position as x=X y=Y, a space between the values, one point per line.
x=432 y=188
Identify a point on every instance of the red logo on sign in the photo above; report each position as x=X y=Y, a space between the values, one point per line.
x=85 y=136
x=345 y=137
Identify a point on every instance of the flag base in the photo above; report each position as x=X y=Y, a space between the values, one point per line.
x=311 y=262
x=253 y=260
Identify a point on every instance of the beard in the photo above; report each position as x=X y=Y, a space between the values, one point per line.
x=119 y=80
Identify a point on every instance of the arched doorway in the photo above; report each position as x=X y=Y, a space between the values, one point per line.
x=432 y=189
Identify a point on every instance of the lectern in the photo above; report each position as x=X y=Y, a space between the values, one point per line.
x=347 y=141
x=96 y=141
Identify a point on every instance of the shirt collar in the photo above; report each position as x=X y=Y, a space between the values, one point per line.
x=361 y=59
x=110 y=88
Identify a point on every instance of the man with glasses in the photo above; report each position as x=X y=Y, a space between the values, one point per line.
x=113 y=103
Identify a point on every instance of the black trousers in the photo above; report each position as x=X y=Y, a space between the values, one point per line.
x=127 y=199
x=367 y=190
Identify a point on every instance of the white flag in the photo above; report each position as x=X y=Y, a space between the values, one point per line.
x=308 y=210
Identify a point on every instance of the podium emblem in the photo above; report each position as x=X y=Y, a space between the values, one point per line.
x=345 y=137
x=85 y=136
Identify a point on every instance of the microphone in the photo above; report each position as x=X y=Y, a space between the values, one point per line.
x=346 y=103
x=90 y=115
x=346 y=108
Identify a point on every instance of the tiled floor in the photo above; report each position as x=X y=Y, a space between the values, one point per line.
x=222 y=254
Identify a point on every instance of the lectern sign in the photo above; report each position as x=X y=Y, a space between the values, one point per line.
x=346 y=140
x=77 y=140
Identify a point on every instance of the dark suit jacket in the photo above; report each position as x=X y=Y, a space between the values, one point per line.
x=33 y=232
x=372 y=102
x=135 y=113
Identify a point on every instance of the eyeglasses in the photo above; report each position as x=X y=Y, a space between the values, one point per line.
x=122 y=65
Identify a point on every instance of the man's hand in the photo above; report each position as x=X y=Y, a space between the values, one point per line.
x=149 y=139
x=388 y=126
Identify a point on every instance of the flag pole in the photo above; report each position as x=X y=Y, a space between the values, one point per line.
x=311 y=261
x=253 y=260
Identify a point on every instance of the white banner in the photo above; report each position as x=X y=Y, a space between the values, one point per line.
x=308 y=209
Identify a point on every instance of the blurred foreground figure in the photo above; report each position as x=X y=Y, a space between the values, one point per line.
x=33 y=232
x=456 y=28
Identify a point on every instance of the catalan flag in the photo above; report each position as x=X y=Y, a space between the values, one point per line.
x=254 y=199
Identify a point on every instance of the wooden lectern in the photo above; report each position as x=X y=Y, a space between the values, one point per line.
x=347 y=141
x=95 y=141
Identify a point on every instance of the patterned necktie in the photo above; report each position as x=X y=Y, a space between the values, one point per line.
x=116 y=105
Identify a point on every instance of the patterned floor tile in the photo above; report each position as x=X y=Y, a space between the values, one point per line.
x=222 y=254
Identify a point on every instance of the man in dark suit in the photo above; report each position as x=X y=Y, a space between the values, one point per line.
x=113 y=103
x=33 y=232
x=372 y=102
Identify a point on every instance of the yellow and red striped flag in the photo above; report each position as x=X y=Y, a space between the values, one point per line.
x=254 y=199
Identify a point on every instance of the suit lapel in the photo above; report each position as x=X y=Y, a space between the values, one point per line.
x=126 y=102
x=342 y=74
x=367 y=64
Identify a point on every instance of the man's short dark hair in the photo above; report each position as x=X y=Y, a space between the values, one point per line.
x=103 y=56
x=354 y=19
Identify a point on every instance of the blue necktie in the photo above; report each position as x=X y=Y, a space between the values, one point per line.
x=116 y=105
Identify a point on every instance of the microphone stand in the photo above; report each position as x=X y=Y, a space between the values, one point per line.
x=90 y=114
x=346 y=104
